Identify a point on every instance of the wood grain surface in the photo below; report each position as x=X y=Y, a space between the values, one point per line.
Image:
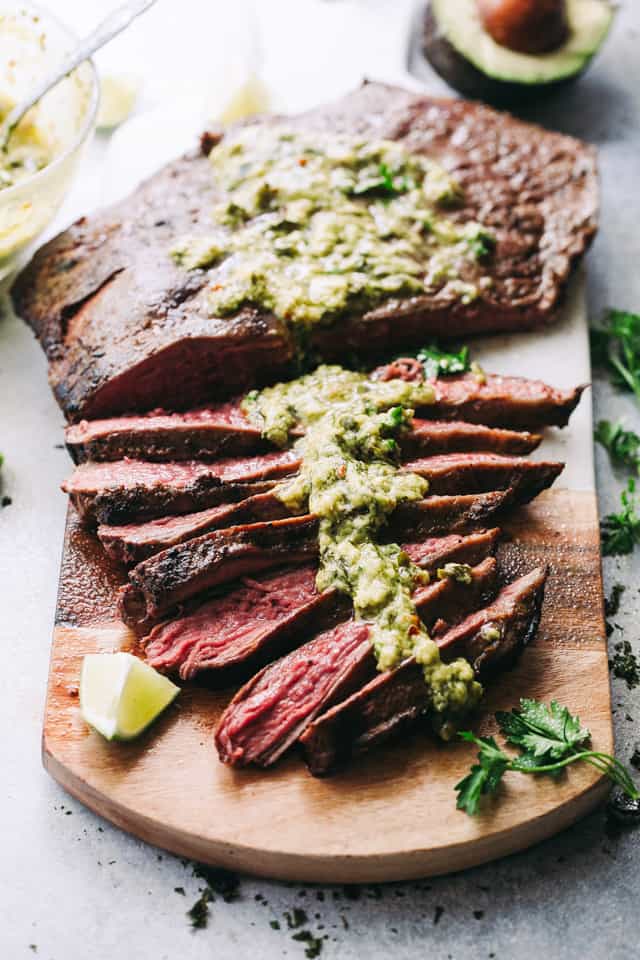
x=392 y=814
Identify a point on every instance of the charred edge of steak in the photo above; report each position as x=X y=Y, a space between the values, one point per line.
x=165 y=581
x=230 y=636
x=116 y=507
x=132 y=543
x=272 y=710
x=393 y=702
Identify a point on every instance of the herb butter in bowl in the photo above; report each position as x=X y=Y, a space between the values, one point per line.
x=37 y=169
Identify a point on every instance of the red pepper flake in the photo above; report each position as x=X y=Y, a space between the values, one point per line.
x=217 y=286
x=302 y=161
x=342 y=471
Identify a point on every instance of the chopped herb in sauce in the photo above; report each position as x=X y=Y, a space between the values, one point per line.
x=461 y=572
x=440 y=363
x=311 y=226
x=351 y=479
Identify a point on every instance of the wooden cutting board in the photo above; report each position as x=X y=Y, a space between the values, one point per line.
x=392 y=815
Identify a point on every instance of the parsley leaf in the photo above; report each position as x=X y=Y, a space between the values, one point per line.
x=616 y=346
x=485 y=776
x=623 y=446
x=621 y=531
x=440 y=363
x=550 y=738
x=549 y=732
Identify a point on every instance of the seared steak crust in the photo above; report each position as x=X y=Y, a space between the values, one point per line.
x=124 y=328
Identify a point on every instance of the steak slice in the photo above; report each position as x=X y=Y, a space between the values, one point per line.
x=452 y=473
x=262 y=619
x=394 y=701
x=203 y=434
x=127 y=490
x=272 y=710
x=126 y=329
x=133 y=542
x=163 y=582
x=430 y=437
x=210 y=432
x=159 y=584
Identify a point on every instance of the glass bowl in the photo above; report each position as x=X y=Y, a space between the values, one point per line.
x=31 y=43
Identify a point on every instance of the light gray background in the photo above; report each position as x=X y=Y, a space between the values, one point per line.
x=74 y=888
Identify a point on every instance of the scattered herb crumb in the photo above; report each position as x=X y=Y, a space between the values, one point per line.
x=199 y=912
x=179 y=890
x=314 y=944
x=296 y=918
x=34 y=947
x=624 y=664
x=437 y=914
x=223 y=882
x=634 y=759
x=274 y=924
x=612 y=603
x=6 y=501
x=478 y=914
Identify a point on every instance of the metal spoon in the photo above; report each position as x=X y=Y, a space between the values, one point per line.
x=110 y=27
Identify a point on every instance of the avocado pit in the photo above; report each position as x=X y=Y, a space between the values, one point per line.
x=527 y=26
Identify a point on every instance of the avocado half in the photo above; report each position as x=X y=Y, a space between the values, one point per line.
x=468 y=58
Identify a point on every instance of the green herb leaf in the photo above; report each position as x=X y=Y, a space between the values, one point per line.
x=440 y=363
x=621 y=531
x=485 y=776
x=616 y=346
x=623 y=446
x=550 y=739
x=549 y=732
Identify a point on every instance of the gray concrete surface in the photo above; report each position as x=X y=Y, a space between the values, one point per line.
x=74 y=888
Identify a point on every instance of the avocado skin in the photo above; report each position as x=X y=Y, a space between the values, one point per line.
x=466 y=78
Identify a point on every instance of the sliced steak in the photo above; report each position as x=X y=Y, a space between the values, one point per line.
x=430 y=437
x=493 y=400
x=133 y=542
x=128 y=490
x=211 y=432
x=163 y=582
x=262 y=618
x=169 y=578
x=203 y=434
x=452 y=473
x=126 y=329
x=273 y=709
x=394 y=701
x=254 y=623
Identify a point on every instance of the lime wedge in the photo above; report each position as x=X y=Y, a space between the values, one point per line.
x=120 y=695
x=118 y=95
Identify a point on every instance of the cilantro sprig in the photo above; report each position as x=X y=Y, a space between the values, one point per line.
x=549 y=739
x=615 y=345
x=623 y=446
x=621 y=531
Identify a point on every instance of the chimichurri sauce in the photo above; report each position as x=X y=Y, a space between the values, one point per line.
x=313 y=226
x=351 y=478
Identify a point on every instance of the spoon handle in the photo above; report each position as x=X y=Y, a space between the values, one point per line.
x=110 y=27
